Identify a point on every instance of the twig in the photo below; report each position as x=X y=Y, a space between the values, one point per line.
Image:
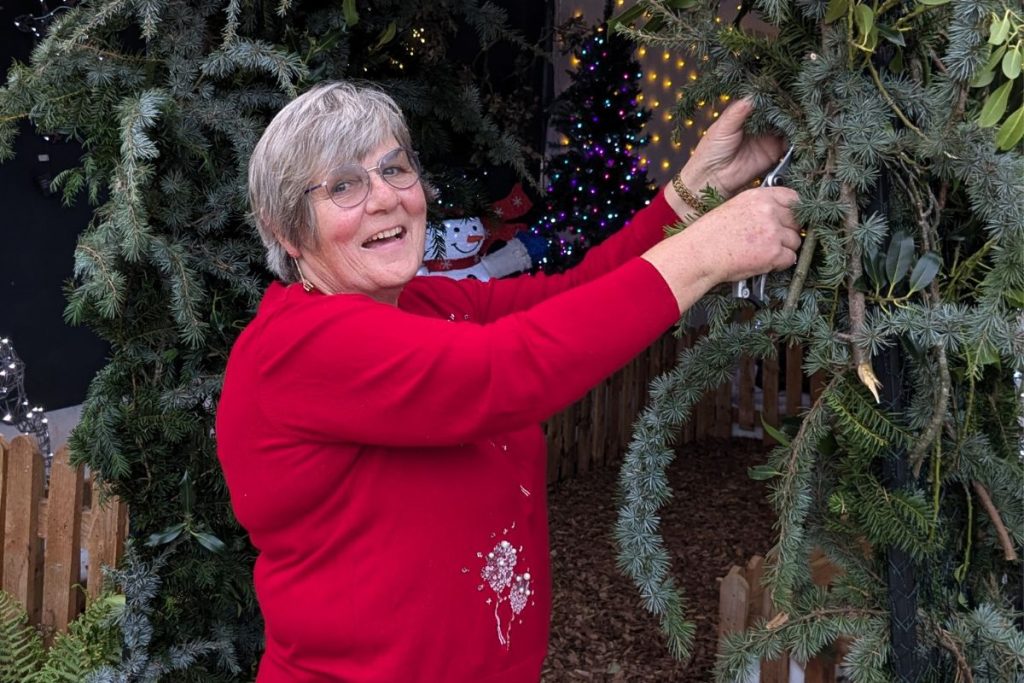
x=961 y=663
x=855 y=297
x=892 y=103
x=931 y=432
x=803 y=267
x=1009 y=552
x=803 y=264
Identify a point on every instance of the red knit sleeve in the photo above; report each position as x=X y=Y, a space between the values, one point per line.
x=500 y=297
x=348 y=368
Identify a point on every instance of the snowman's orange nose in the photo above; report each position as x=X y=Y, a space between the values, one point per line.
x=474 y=238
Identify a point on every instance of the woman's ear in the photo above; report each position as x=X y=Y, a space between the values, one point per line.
x=292 y=249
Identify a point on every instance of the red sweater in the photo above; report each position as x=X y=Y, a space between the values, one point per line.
x=389 y=466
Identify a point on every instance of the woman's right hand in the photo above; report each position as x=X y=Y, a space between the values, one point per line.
x=752 y=233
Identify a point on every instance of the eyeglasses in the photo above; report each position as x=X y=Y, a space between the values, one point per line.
x=348 y=185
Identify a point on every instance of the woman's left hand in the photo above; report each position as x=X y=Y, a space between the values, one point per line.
x=728 y=159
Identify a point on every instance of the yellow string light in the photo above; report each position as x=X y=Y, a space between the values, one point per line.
x=665 y=165
x=665 y=56
x=724 y=98
x=642 y=52
x=681 y=63
x=652 y=76
x=688 y=123
x=655 y=104
x=640 y=97
x=655 y=138
x=692 y=76
x=714 y=114
x=667 y=83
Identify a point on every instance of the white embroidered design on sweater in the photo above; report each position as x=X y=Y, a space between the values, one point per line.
x=499 y=573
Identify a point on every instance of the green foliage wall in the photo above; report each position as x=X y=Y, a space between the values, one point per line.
x=905 y=117
x=167 y=99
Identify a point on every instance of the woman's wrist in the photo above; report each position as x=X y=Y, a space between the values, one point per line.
x=684 y=192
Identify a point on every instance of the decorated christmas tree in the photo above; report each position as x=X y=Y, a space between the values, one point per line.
x=167 y=99
x=906 y=121
x=596 y=180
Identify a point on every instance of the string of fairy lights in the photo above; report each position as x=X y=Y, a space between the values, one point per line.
x=15 y=408
x=670 y=142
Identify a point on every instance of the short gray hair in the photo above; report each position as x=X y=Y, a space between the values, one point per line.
x=331 y=124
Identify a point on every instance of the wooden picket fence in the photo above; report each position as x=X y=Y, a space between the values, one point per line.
x=596 y=430
x=45 y=528
x=743 y=601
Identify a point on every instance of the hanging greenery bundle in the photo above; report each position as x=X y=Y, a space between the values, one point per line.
x=906 y=120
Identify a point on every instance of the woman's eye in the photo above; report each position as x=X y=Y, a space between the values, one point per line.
x=344 y=185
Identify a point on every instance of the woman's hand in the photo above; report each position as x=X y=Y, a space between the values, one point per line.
x=726 y=158
x=752 y=233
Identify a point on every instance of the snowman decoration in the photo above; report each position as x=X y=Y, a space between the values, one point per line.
x=459 y=247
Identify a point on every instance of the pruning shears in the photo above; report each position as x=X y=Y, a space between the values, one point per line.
x=754 y=288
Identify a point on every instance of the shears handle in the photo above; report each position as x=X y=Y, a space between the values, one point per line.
x=754 y=288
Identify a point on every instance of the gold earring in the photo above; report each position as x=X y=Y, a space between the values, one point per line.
x=306 y=284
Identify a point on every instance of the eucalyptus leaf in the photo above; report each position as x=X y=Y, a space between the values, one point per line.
x=899 y=257
x=762 y=472
x=166 y=536
x=628 y=16
x=925 y=270
x=995 y=106
x=776 y=434
x=348 y=8
x=836 y=9
x=387 y=35
x=995 y=58
x=210 y=542
x=892 y=35
x=1012 y=131
x=1012 y=62
x=983 y=78
x=999 y=30
x=873 y=271
x=864 y=17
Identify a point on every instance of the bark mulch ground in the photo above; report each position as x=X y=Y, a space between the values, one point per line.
x=718 y=517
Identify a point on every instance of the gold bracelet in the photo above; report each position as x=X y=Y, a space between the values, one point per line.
x=687 y=196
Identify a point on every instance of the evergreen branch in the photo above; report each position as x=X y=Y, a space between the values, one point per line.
x=890 y=101
x=791 y=498
x=997 y=521
x=643 y=483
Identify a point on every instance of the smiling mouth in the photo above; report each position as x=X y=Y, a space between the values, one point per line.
x=384 y=237
x=472 y=248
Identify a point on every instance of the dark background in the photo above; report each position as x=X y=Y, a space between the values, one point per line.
x=37 y=243
x=38 y=233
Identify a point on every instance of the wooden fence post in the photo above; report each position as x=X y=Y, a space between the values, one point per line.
x=106 y=538
x=732 y=605
x=61 y=601
x=22 y=545
x=4 y=450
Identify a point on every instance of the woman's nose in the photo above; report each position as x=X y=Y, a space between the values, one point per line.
x=382 y=196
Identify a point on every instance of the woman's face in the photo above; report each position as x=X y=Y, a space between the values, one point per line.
x=373 y=248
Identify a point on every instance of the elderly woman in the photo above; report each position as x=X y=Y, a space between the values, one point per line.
x=380 y=433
